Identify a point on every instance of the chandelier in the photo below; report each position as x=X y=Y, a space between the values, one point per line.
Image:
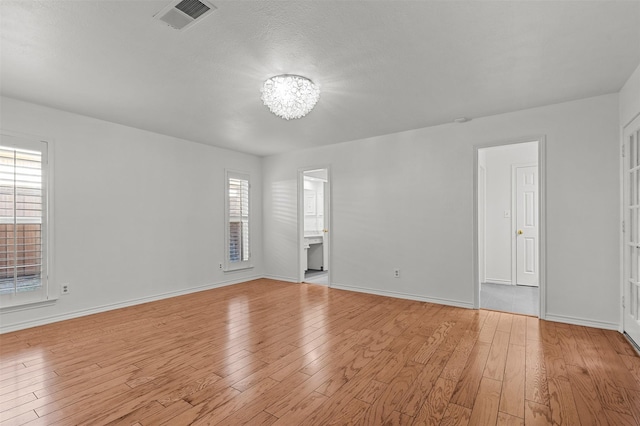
x=290 y=96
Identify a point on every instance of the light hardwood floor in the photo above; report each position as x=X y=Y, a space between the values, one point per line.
x=268 y=352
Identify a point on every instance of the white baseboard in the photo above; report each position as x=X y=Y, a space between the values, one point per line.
x=408 y=296
x=497 y=281
x=112 y=306
x=440 y=301
x=582 y=321
x=280 y=278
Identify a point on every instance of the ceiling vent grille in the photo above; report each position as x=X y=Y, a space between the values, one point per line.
x=184 y=14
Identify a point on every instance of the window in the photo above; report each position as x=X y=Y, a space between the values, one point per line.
x=238 y=253
x=23 y=221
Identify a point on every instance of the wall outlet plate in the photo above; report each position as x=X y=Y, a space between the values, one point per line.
x=396 y=273
x=64 y=289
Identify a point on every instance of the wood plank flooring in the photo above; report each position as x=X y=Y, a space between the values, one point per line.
x=273 y=353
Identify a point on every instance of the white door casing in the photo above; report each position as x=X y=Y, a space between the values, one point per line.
x=526 y=226
x=322 y=173
x=482 y=207
x=631 y=230
x=542 y=149
x=325 y=231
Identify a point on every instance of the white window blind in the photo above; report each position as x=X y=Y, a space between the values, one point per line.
x=237 y=197
x=23 y=227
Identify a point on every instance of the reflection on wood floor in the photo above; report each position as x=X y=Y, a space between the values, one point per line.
x=269 y=352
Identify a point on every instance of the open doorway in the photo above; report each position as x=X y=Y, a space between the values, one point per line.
x=509 y=229
x=314 y=218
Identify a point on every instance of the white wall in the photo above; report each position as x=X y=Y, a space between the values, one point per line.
x=416 y=188
x=630 y=98
x=498 y=162
x=138 y=215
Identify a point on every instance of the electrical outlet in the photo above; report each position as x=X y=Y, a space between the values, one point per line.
x=220 y=266
x=64 y=289
x=396 y=273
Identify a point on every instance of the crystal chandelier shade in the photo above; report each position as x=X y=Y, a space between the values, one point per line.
x=290 y=96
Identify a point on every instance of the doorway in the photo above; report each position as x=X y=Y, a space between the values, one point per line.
x=509 y=192
x=314 y=224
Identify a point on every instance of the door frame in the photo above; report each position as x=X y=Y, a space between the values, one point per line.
x=482 y=203
x=542 y=219
x=514 y=220
x=623 y=215
x=328 y=212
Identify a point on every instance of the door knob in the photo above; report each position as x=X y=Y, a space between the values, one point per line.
x=325 y=230
x=519 y=231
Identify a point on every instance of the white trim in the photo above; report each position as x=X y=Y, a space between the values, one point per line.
x=112 y=306
x=483 y=278
x=238 y=268
x=399 y=295
x=28 y=306
x=497 y=281
x=621 y=221
x=582 y=321
x=475 y=279
x=281 y=278
x=542 y=223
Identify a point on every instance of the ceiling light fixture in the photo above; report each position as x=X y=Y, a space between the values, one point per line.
x=290 y=96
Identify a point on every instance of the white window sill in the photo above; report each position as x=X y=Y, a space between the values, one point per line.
x=236 y=268
x=23 y=306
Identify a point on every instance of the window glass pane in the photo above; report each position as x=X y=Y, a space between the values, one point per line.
x=21 y=221
x=633 y=302
x=632 y=188
x=632 y=152
x=635 y=140
x=632 y=225
x=635 y=188
x=633 y=264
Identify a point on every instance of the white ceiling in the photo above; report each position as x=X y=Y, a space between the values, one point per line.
x=383 y=66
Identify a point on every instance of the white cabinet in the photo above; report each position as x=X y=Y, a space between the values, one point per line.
x=313 y=249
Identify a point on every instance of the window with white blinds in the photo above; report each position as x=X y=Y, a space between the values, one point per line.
x=23 y=224
x=237 y=221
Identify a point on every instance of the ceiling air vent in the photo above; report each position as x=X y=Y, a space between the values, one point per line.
x=184 y=14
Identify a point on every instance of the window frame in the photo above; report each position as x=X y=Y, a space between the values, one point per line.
x=51 y=291
x=242 y=264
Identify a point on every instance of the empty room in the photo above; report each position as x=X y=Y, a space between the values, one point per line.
x=319 y=212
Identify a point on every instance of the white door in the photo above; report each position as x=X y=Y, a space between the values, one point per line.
x=631 y=294
x=527 y=225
